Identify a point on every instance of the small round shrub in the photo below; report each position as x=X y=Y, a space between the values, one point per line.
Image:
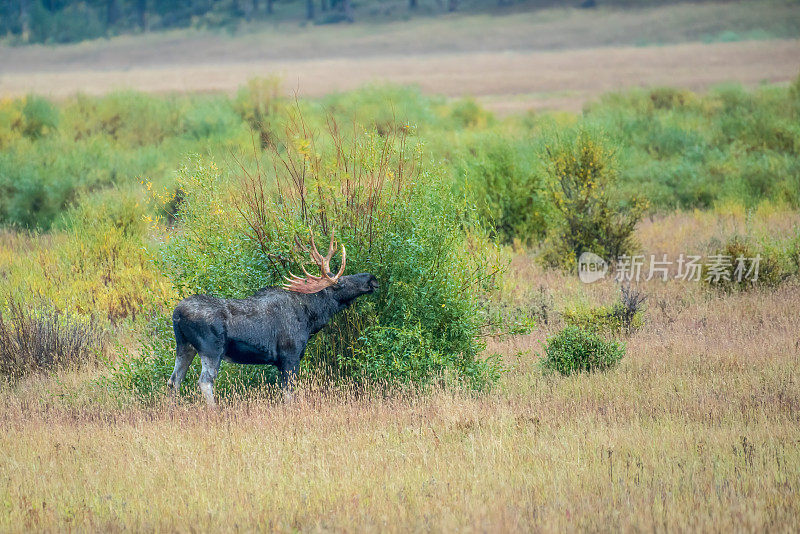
x=466 y=113
x=670 y=98
x=575 y=350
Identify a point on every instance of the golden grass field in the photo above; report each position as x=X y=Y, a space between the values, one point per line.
x=697 y=429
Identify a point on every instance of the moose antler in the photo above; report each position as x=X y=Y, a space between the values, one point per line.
x=311 y=283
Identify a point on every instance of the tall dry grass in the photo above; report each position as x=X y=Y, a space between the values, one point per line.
x=697 y=429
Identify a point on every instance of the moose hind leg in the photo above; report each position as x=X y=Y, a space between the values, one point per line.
x=184 y=354
x=208 y=375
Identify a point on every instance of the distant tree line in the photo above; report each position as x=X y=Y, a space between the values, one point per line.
x=61 y=21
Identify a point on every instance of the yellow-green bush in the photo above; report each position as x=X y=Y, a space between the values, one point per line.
x=581 y=172
x=466 y=113
x=623 y=316
x=10 y=121
x=97 y=266
x=129 y=118
x=32 y=117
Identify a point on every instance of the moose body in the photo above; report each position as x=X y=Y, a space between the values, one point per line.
x=271 y=327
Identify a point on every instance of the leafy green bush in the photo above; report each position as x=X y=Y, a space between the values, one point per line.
x=503 y=178
x=129 y=118
x=386 y=108
x=40 y=180
x=581 y=172
x=211 y=119
x=575 y=350
x=758 y=120
x=466 y=113
x=236 y=236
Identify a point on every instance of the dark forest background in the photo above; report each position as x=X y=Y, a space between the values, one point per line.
x=64 y=21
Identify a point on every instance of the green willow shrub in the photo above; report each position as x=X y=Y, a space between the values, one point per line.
x=581 y=174
x=670 y=98
x=39 y=180
x=575 y=350
x=509 y=192
x=600 y=319
x=128 y=118
x=398 y=220
x=53 y=154
x=211 y=119
x=387 y=108
x=466 y=113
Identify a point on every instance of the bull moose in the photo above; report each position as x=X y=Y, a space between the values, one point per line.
x=271 y=327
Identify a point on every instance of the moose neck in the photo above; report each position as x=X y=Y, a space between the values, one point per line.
x=327 y=303
x=322 y=307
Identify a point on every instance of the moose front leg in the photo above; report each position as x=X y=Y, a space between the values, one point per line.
x=289 y=370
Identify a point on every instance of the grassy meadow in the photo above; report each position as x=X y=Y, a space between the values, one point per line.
x=695 y=429
x=114 y=207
